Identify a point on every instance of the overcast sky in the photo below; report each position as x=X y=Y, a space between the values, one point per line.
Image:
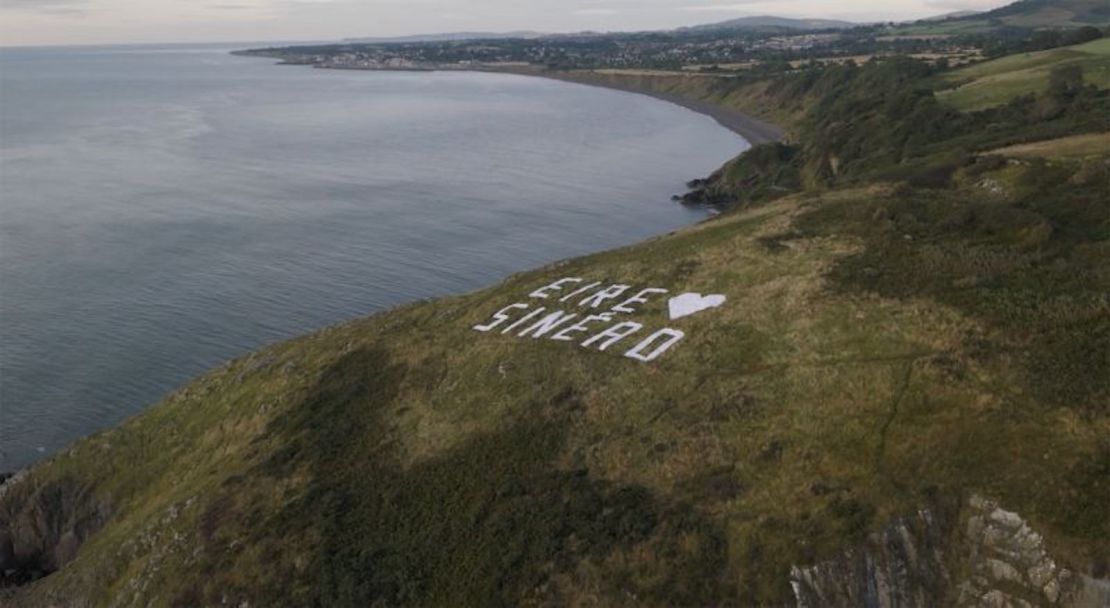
x=24 y=22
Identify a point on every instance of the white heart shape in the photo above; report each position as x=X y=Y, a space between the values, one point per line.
x=693 y=303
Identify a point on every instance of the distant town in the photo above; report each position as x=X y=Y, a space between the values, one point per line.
x=725 y=50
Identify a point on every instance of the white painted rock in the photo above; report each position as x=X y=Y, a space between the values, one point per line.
x=692 y=303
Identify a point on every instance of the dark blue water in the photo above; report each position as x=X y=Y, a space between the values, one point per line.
x=164 y=210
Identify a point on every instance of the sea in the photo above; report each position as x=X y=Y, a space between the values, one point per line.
x=165 y=209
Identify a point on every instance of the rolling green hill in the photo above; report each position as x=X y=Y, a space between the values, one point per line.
x=996 y=82
x=1028 y=14
x=1051 y=13
x=773 y=23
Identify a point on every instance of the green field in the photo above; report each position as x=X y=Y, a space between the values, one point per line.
x=994 y=83
x=944 y=28
x=1028 y=14
x=1076 y=147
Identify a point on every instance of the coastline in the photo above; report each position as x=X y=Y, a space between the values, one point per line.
x=753 y=129
x=756 y=131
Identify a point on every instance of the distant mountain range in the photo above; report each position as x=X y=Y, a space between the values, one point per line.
x=953 y=15
x=1024 y=13
x=743 y=23
x=767 y=21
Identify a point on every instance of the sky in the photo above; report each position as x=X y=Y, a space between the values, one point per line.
x=65 y=22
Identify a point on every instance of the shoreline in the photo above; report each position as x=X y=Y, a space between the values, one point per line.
x=755 y=130
x=752 y=129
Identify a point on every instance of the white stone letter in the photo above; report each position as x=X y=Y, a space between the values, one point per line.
x=605 y=294
x=636 y=299
x=614 y=334
x=499 y=318
x=567 y=334
x=542 y=294
x=579 y=291
x=526 y=318
x=672 y=335
x=547 y=324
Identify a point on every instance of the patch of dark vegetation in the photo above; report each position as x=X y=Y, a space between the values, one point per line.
x=854 y=517
x=1028 y=267
x=1082 y=511
x=713 y=486
x=487 y=523
x=777 y=243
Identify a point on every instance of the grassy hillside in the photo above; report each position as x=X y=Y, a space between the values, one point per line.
x=880 y=349
x=995 y=82
x=915 y=312
x=880 y=122
x=1077 y=147
x=743 y=94
x=1052 y=13
x=1026 y=14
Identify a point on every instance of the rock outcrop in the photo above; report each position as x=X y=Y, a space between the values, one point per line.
x=43 y=526
x=914 y=561
x=904 y=565
x=1008 y=565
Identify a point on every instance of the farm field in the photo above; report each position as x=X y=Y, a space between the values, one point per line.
x=995 y=82
x=1089 y=145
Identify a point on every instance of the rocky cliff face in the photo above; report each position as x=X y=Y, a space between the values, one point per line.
x=978 y=555
x=986 y=556
x=904 y=565
x=43 y=526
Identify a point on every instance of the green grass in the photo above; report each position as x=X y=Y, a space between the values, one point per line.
x=1031 y=15
x=890 y=345
x=1076 y=147
x=943 y=28
x=996 y=82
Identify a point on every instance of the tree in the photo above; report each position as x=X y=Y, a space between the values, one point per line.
x=1046 y=39
x=1086 y=33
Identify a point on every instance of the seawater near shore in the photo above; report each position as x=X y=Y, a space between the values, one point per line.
x=752 y=129
x=755 y=131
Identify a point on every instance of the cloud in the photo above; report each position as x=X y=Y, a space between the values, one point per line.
x=966 y=5
x=44 y=6
x=736 y=6
x=106 y=21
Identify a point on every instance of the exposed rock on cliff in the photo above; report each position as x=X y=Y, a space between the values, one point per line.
x=911 y=562
x=43 y=526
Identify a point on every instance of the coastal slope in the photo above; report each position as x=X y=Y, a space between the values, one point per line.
x=411 y=458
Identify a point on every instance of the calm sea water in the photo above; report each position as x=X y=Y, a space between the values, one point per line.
x=165 y=209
